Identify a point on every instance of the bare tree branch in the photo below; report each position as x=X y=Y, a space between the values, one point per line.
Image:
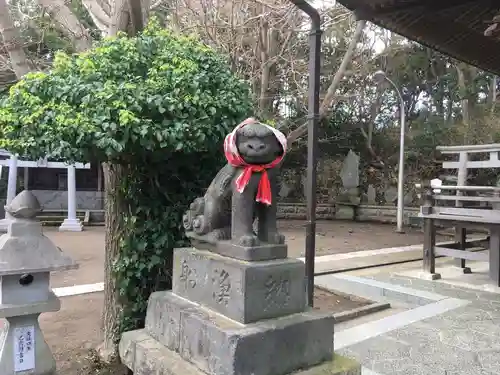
x=100 y=17
x=329 y=98
x=13 y=42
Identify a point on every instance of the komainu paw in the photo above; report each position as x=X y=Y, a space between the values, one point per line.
x=248 y=241
x=276 y=238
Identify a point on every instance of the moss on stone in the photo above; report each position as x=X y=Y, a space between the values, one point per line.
x=339 y=365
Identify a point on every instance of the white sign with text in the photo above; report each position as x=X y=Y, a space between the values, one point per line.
x=24 y=348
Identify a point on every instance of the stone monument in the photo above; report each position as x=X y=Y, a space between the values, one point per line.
x=350 y=196
x=238 y=302
x=26 y=259
x=371 y=195
x=350 y=171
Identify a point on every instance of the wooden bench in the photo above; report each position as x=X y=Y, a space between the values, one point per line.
x=485 y=215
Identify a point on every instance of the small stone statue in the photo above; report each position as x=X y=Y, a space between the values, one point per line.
x=245 y=189
x=24 y=206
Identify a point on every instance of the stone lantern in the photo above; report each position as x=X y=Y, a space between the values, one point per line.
x=26 y=259
x=436 y=183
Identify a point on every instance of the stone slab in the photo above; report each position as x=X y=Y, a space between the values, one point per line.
x=350 y=170
x=365 y=331
x=358 y=312
x=52 y=304
x=376 y=290
x=144 y=356
x=256 y=253
x=220 y=346
x=228 y=249
x=243 y=291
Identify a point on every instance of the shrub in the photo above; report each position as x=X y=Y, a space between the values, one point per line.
x=154 y=109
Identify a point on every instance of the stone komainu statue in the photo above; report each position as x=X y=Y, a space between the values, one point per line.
x=245 y=189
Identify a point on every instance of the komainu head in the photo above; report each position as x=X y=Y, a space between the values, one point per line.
x=258 y=144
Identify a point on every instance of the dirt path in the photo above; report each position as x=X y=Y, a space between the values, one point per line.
x=75 y=329
x=333 y=237
x=87 y=249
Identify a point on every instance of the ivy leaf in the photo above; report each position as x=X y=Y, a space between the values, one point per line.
x=145 y=105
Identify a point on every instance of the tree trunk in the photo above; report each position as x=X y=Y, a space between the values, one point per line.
x=462 y=85
x=12 y=42
x=70 y=24
x=114 y=208
x=493 y=94
x=113 y=174
x=120 y=17
x=137 y=18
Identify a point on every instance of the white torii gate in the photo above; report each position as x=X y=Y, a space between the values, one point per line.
x=71 y=223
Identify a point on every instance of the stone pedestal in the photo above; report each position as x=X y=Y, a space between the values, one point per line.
x=227 y=316
x=71 y=225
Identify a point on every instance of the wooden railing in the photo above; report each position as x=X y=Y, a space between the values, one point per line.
x=486 y=215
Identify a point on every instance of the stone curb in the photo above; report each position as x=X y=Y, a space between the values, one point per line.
x=376 y=290
x=346 y=264
x=358 y=312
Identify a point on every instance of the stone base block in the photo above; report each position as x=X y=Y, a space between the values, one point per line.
x=228 y=249
x=144 y=355
x=220 y=346
x=256 y=253
x=464 y=270
x=429 y=276
x=37 y=358
x=243 y=291
x=71 y=225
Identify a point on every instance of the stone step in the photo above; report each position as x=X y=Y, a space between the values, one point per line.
x=56 y=220
x=144 y=355
x=220 y=346
x=243 y=291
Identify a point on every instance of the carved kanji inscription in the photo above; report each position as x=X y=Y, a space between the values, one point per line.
x=222 y=285
x=188 y=275
x=277 y=291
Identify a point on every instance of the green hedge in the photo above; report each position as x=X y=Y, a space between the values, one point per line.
x=155 y=108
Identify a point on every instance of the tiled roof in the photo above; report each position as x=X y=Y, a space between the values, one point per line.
x=454 y=27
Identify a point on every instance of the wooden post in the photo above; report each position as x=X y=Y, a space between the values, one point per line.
x=461 y=241
x=429 y=258
x=494 y=272
x=495 y=255
x=461 y=231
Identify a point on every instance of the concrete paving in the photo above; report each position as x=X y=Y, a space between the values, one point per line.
x=343 y=262
x=449 y=327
